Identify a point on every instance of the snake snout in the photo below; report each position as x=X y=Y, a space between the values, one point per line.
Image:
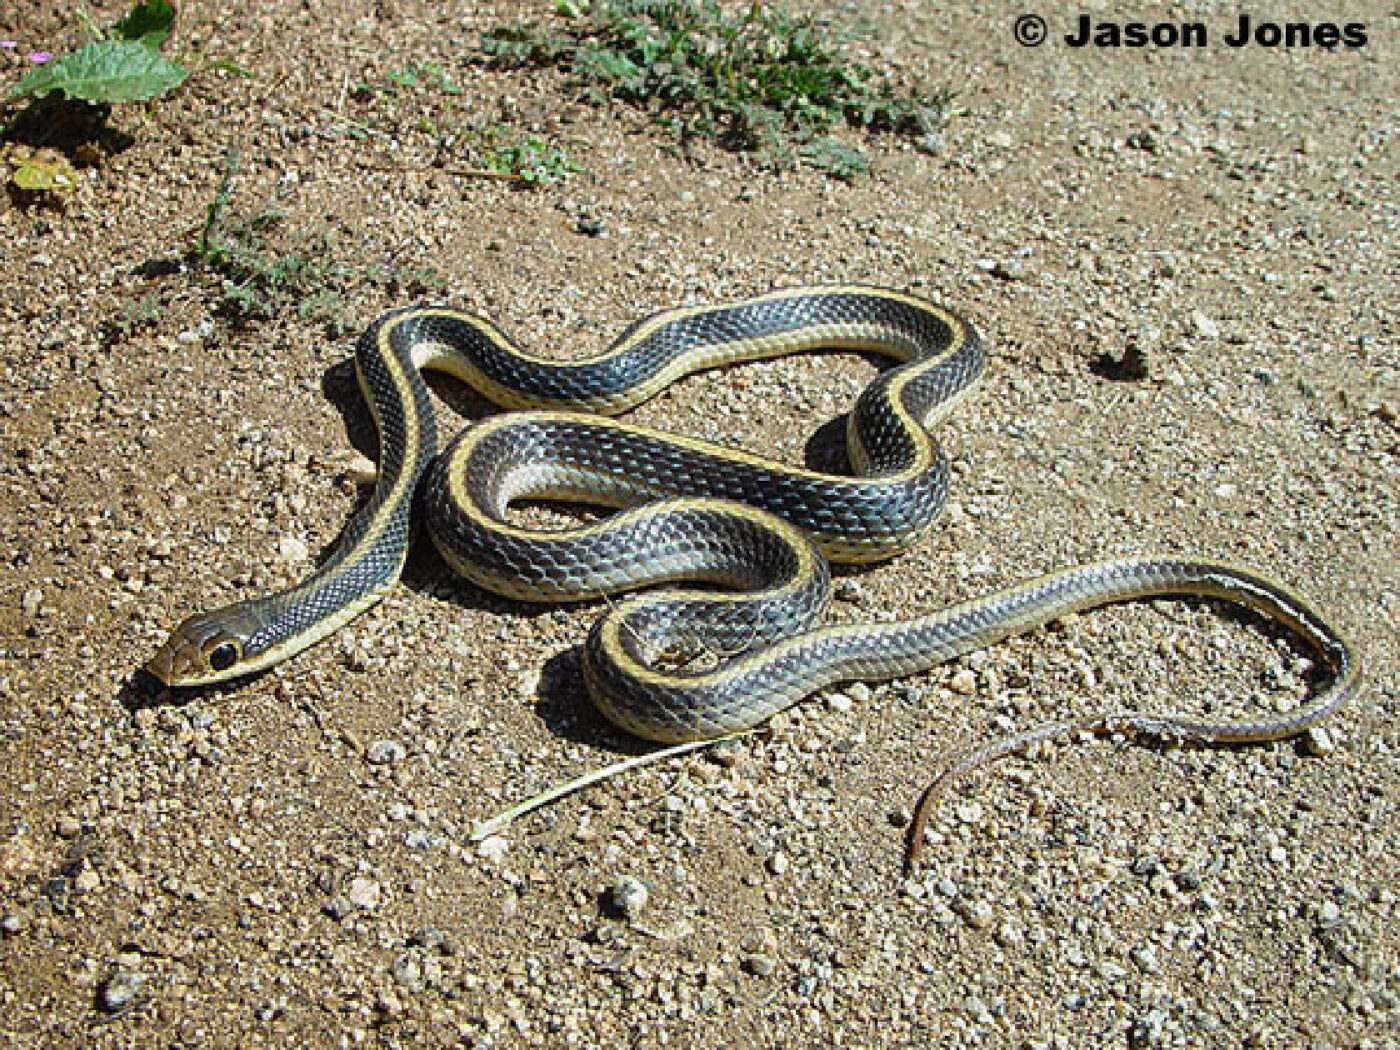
x=201 y=650
x=175 y=661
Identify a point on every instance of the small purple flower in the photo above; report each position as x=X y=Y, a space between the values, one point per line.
x=39 y=57
x=8 y=45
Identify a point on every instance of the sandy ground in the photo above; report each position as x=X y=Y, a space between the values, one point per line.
x=287 y=861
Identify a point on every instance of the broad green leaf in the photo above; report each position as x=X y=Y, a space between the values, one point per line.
x=108 y=71
x=147 y=23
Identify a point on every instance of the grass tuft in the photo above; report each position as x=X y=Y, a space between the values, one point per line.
x=759 y=80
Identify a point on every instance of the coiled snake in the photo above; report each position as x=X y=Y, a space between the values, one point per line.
x=756 y=533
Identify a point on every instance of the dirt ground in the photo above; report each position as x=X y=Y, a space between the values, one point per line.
x=288 y=861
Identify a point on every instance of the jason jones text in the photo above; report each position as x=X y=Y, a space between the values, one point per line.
x=1246 y=32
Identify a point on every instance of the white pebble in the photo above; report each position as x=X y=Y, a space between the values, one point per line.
x=32 y=601
x=293 y=549
x=964 y=682
x=364 y=893
x=629 y=896
x=492 y=848
x=1318 y=741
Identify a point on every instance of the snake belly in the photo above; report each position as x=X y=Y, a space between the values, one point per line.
x=748 y=537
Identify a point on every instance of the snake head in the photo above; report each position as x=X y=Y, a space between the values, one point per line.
x=210 y=647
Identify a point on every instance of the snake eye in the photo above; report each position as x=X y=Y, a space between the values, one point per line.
x=223 y=656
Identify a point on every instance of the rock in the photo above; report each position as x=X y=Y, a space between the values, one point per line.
x=119 y=991
x=1318 y=741
x=1329 y=915
x=293 y=549
x=849 y=590
x=1144 y=957
x=629 y=896
x=725 y=753
x=492 y=848
x=761 y=964
x=977 y=914
x=1148 y=1029
x=364 y=894
x=964 y=682
x=386 y=752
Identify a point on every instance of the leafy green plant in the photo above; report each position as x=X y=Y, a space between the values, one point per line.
x=127 y=66
x=760 y=80
x=423 y=98
x=532 y=160
x=260 y=279
x=258 y=282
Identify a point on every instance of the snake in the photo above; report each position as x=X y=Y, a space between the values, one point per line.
x=728 y=550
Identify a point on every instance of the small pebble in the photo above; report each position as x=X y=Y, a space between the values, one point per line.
x=964 y=682
x=977 y=914
x=1204 y=326
x=32 y=602
x=970 y=813
x=386 y=752
x=492 y=848
x=779 y=864
x=1329 y=915
x=364 y=894
x=1318 y=741
x=850 y=591
x=120 y=990
x=293 y=549
x=761 y=964
x=1144 y=957
x=629 y=896
x=360 y=471
x=408 y=973
x=839 y=702
x=1148 y=1029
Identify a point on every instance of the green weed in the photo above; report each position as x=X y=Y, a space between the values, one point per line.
x=423 y=97
x=532 y=160
x=761 y=80
x=264 y=272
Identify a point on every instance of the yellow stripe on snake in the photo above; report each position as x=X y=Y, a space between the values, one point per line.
x=749 y=538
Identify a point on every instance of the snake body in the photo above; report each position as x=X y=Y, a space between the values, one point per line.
x=755 y=533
